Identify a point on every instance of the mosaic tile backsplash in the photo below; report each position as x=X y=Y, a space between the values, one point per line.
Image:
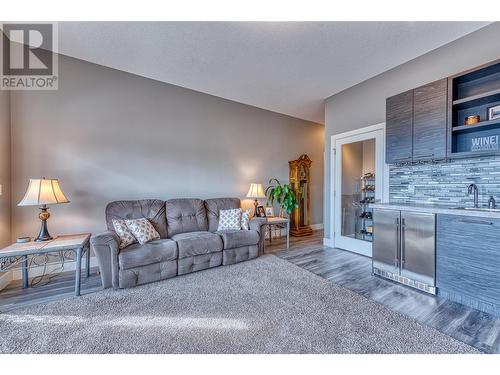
x=446 y=183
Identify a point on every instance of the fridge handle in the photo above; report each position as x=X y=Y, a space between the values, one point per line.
x=403 y=227
x=398 y=238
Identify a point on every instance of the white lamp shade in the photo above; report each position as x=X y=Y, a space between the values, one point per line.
x=43 y=191
x=256 y=191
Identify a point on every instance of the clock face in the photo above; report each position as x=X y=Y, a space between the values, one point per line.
x=302 y=173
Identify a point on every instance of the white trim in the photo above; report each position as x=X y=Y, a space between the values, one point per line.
x=328 y=242
x=358 y=133
x=316 y=226
x=366 y=129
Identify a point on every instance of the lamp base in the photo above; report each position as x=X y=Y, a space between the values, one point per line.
x=44 y=234
x=256 y=204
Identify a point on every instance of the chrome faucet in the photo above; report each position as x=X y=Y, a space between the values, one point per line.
x=473 y=189
x=492 y=204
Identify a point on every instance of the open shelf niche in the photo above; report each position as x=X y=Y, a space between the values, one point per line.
x=474 y=93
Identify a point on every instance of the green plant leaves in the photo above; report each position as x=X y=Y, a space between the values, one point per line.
x=283 y=195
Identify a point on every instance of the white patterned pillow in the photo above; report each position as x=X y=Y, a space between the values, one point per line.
x=143 y=230
x=124 y=233
x=245 y=219
x=230 y=219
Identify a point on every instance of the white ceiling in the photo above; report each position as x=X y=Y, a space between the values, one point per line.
x=288 y=67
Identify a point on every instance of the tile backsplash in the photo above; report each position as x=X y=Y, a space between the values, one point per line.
x=446 y=183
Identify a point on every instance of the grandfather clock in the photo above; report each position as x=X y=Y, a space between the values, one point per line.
x=300 y=180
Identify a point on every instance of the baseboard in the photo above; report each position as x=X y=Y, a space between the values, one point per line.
x=328 y=242
x=281 y=232
x=16 y=274
x=5 y=279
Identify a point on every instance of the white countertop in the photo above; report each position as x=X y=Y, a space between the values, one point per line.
x=436 y=209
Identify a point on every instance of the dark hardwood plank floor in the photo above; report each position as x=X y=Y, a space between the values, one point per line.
x=344 y=268
x=61 y=285
x=353 y=272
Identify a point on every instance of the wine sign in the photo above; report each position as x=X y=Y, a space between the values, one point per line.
x=484 y=143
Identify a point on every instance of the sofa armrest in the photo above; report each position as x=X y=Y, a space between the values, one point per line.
x=256 y=224
x=106 y=248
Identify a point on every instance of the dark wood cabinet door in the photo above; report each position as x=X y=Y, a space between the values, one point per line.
x=429 y=120
x=398 y=128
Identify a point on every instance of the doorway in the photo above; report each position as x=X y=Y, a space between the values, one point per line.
x=359 y=178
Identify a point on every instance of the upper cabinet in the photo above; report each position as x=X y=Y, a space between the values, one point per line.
x=455 y=117
x=416 y=124
x=398 y=128
x=429 y=121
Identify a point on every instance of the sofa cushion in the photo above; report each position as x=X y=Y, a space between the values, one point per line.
x=156 y=251
x=197 y=243
x=238 y=238
x=151 y=209
x=214 y=206
x=185 y=215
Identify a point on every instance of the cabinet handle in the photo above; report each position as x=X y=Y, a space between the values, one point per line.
x=424 y=156
x=401 y=159
x=470 y=221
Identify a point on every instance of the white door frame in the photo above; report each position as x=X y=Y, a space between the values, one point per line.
x=368 y=132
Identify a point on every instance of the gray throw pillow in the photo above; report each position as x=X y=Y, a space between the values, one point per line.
x=143 y=230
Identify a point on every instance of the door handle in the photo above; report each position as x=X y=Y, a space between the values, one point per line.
x=471 y=221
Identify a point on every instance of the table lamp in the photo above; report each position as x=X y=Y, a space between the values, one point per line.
x=255 y=192
x=41 y=192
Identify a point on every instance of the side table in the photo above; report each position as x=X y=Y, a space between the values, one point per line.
x=278 y=220
x=19 y=252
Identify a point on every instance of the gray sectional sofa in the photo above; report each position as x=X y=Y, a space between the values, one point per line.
x=189 y=240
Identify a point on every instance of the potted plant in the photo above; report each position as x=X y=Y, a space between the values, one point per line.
x=281 y=194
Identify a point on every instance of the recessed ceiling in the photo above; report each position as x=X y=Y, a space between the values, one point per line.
x=286 y=67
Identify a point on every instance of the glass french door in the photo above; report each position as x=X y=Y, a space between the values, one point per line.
x=358 y=182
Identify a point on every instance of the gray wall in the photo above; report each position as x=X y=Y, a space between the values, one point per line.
x=110 y=135
x=364 y=104
x=5 y=168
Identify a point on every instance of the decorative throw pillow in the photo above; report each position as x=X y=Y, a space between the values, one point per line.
x=124 y=233
x=245 y=219
x=143 y=230
x=230 y=219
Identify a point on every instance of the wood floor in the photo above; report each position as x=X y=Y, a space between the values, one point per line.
x=347 y=269
x=353 y=272
x=60 y=286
